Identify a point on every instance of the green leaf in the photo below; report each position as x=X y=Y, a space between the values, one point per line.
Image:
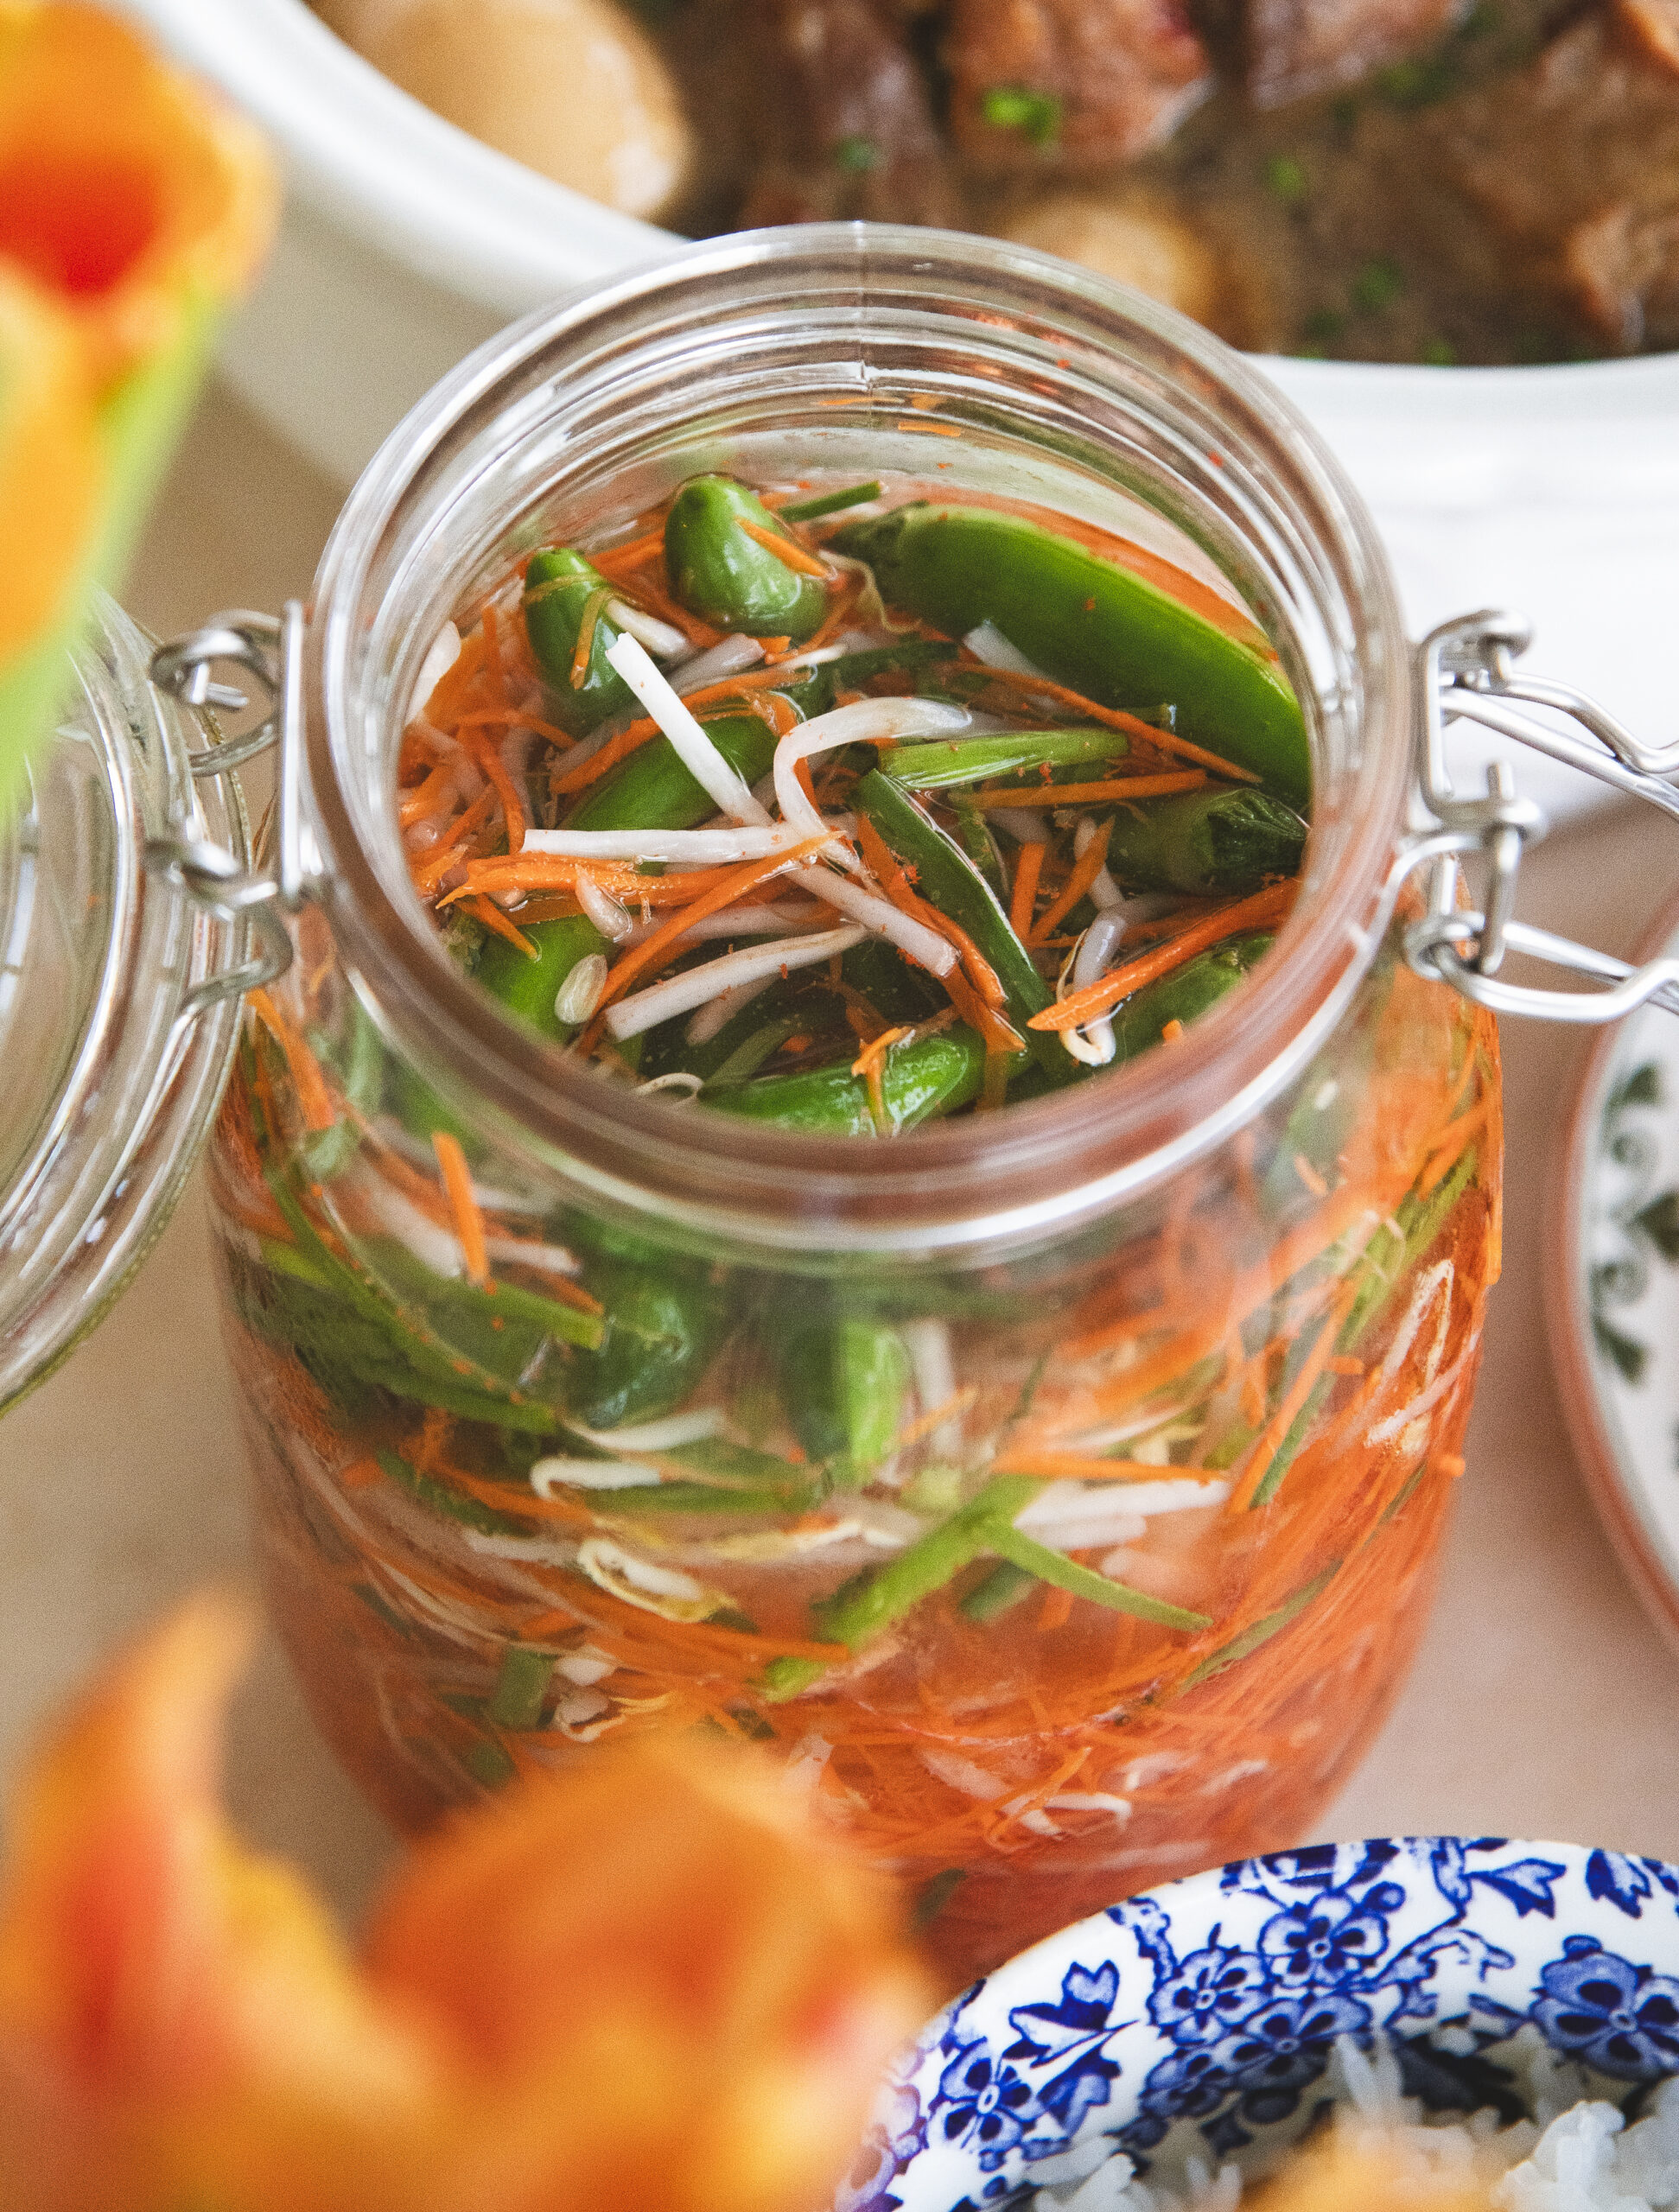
x=1659 y=1222
x=1036 y=116
x=1642 y=1088
x=1625 y=1352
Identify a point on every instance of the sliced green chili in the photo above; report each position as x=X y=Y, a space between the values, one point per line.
x=521 y=1686
x=1090 y=625
x=727 y=576
x=830 y=503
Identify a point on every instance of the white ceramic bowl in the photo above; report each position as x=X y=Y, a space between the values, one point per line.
x=406 y=243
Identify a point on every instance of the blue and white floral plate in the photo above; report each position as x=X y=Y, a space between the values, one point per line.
x=1613 y=1289
x=1212 y=2006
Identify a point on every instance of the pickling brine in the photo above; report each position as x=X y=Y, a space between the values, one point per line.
x=877 y=1181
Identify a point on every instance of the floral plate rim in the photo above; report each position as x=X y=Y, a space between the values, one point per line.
x=1612 y=1266
x=1212 y=2004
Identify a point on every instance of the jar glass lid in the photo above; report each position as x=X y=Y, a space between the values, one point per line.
x=112 y=1050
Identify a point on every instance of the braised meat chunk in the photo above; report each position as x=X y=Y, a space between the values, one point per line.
x=845 y=127
x=1076 y=85
x=1293 y=48
x=1575 y=163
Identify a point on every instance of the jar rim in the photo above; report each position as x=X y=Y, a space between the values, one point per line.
x=978 y=1183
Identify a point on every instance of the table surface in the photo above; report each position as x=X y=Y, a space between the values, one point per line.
x=1543 y=1702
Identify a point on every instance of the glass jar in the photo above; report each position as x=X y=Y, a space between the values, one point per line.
x=1206 y=1327
x=119 y=995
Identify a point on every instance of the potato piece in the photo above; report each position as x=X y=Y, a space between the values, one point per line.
x=1129 y=240
x=574 y=89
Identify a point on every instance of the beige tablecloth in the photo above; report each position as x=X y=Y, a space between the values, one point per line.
x=1542 y=1704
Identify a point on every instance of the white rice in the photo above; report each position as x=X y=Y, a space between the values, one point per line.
x=1575 y=2154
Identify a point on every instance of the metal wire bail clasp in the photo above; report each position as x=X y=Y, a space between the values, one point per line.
x=271 y=652
x=1466 y=671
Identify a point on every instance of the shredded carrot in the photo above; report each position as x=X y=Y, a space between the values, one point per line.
x=560 y=871
x=870 y=1065
x=487 y=753
x=1162 y=740
x=429 y=868
x=840 y=604
x=583 y=651
x=1259 y=911
x=1309 y=1175
x=635 y=554
x=494 y=717
x=727 y=885
x=494 y=666
x=468 y=1221
x=1115 y=790
x=1023 y=897
x=1085 y=869
x=422 y=799
x=1271 y=1439
x=315 y=1100
x=1170 y=1032
x=1449 y=1147
x=978 y=1004
x=484 y=910
x=1056 y=1610
x=1080 y=1467
x=784 y=549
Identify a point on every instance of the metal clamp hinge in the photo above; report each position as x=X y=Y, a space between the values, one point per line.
x=1465 y=672
x=271 y=652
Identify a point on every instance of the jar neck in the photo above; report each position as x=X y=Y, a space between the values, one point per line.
x=837 y=343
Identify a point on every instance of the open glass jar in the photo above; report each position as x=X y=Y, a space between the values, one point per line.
x=1206 y=1328
x=119 y=990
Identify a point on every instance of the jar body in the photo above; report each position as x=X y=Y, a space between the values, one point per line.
x=1271 y=1360
x=1056 y=1489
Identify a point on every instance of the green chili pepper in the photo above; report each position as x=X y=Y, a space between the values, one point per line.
x=742 y=1059
x=521 y=1686
x=652 y=789
x=1005 y=1585
x=563 y=591
x=1262 y=1631
x=438 y=1497
x=1090 y=625
x=488 y=1763
x=843 y=1383
x=920 y=1081
x=860 y=1609
x=938 y=765
x=1211 y=844
x=915 y=656
x=659 y=1334
x=943 y=875
x=329 y=1152
x=898 y=992
x=975 y=840
x=1185 y=994
x=1066 y=1573
x=830 y=503
x=725 y=575
x=1387 y=1260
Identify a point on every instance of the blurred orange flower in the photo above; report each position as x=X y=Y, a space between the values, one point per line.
x=653 y=1986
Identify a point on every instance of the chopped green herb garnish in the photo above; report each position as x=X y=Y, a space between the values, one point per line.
x=1286 y=180
x=1036 y=116
x=1377 y=285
